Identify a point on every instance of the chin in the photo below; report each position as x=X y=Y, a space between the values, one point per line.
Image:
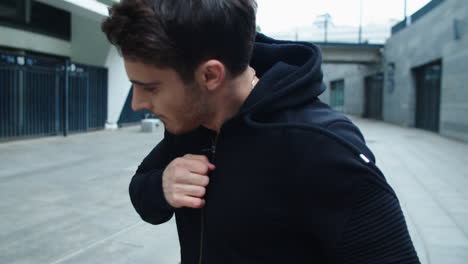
x=180 y=130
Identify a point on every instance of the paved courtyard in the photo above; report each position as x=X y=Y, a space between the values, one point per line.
x=65 y=200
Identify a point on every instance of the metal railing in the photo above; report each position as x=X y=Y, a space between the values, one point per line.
x=416 y=16
x=398 y=27
x=41 y=96
x=425 y=9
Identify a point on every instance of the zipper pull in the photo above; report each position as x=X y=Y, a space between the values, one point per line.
x=213 y=149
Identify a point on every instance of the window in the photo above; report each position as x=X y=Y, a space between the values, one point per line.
x=36 y=17
x=337 y=95
x=12 y=10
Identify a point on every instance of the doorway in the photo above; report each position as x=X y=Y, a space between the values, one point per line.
x=337 y=95
x=428 y=89
x=373 y=96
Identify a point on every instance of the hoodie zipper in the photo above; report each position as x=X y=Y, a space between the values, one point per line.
x=202 y=217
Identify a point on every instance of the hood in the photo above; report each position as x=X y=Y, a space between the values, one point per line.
x=290 y=75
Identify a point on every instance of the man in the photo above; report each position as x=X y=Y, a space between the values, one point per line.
x=255 y=170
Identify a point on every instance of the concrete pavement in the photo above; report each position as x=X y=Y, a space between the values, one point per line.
x=428 y=172
x=65 y=200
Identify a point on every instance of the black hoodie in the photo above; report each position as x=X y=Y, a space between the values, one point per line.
x=294 y=180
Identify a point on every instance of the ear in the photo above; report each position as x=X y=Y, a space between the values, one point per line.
x=211 y=74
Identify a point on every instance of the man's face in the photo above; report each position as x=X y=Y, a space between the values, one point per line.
x=180 y=107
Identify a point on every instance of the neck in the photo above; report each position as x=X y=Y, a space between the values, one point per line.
x=228 y=98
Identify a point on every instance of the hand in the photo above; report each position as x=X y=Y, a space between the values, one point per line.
x=185 y=179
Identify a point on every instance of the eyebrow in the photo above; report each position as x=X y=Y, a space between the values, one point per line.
x=145 y=84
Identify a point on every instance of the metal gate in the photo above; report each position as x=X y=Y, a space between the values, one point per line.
x=87 y=98
x=428 y=84
x=373 y=96
x=39 y=106
x=42 y=96
x=337 y=95
x=9 y=103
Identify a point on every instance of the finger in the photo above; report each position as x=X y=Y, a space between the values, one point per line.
x=195 y=166
x=197 y=157
x=190 y=190
x=194 y=179
x=201 y=158
x=192 y=202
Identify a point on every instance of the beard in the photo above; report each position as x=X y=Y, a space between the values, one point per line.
x=195 y=111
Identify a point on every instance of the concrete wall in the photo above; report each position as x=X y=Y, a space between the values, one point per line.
x=353 y=75
x=20 y=39
x=428 y=39
x=88 y=44
x=119 y=86
x=351 y=53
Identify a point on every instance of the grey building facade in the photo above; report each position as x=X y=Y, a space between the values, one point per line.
x=349 y=65
x=67 y=56
x=426 y=70
x=419 y=78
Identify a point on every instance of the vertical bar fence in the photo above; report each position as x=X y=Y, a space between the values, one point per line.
x=42 y=96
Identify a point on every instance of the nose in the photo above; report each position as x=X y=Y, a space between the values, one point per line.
x=139 y=102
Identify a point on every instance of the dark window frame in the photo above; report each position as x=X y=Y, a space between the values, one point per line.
x=428 y=95
x=28 y=21
x=340 y=85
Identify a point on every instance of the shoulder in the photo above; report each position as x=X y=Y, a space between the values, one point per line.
x=321 y=119
x=328 y=144
x=315 y=112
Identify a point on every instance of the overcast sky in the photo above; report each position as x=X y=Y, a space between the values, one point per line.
x=282 y=15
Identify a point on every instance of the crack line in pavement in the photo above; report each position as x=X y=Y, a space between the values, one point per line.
x=416 y=229
x=436 y=199
x=71 y=255
x=33 y=171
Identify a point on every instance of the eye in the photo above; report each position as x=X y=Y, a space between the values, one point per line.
x=149 y=89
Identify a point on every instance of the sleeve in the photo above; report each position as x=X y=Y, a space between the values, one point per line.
x=376 y=231
x=146 y=193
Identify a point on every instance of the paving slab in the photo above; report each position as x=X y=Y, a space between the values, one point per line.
x=428 y=174
x=65 y=200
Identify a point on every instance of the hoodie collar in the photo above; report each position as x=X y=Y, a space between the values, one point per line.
x=290 y=74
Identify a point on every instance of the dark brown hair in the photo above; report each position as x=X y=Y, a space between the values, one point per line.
x=181 y=34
